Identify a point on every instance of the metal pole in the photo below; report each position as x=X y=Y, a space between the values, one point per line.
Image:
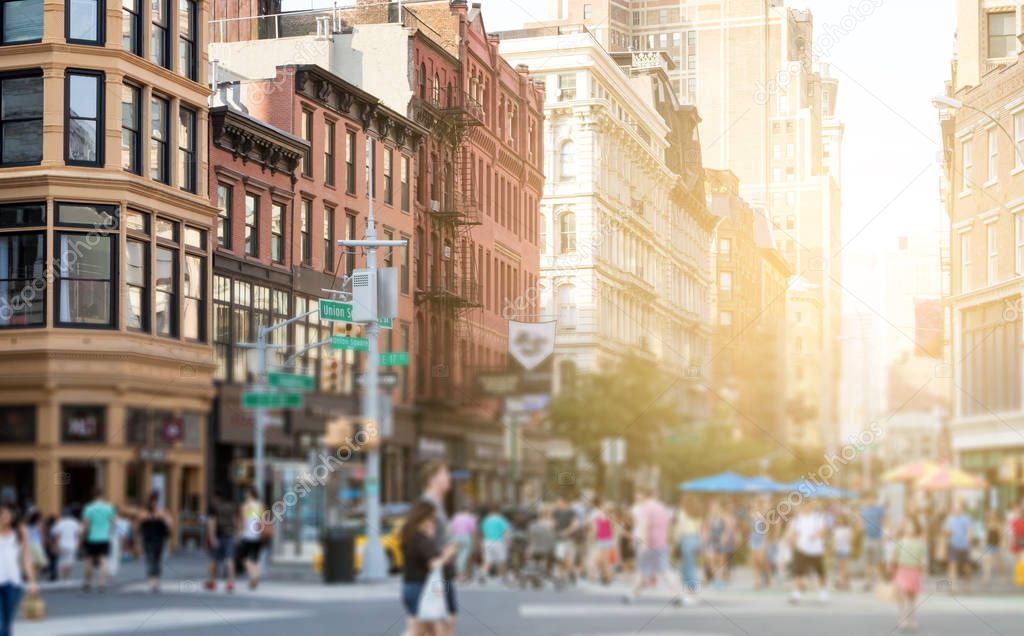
x=261 y=413
x=374 y=560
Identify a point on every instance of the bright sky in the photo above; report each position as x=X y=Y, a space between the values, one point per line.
x=888 y=74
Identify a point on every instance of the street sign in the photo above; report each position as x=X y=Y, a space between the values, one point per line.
x=394 y=359
x=499 y=384
x=385 y=379
x=385 y=323
x=335 y=310
x=613 y=451
x=267 y=400
x=291 y=381
x=530 y=403
x=350 y=343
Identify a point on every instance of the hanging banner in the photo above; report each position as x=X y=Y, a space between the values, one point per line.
x=531 y=343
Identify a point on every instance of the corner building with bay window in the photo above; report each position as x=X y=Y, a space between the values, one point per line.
x=106 y=368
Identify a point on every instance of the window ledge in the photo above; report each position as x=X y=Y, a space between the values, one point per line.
x=1016 y=171
x=990 y=183
x=964 y=194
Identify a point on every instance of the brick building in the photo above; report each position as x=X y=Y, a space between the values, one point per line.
x=290 y=178
x=475 y=202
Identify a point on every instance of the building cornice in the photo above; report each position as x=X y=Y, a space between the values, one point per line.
x=348 y=100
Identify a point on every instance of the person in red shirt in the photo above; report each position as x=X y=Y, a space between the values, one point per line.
x=1017 y=531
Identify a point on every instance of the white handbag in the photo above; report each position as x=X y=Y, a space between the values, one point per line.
x=432 y=605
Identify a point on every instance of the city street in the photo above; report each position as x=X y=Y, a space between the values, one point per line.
x=310 y=608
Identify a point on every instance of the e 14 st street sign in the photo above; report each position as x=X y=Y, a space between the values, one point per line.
x=267 y=400
x=394 y=359
x=291 y=381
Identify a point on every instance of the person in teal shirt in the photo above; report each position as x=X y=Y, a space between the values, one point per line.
x=98 y=517
x=495 y=530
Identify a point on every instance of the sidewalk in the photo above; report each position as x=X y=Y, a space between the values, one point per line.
x=183 y=566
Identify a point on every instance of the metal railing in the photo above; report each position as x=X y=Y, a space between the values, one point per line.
x=319 y=22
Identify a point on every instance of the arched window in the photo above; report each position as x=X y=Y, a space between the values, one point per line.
x=567 y=305
x=567 y=233
x=423 y=81
x=436 y=90
x=567 y=161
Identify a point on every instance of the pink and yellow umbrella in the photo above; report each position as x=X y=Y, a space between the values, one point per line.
x=948 y=478
x=911 y=471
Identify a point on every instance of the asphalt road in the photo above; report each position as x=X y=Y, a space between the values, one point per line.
x=309 y=608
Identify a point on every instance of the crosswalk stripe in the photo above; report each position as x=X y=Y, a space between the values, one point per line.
x=142 y=621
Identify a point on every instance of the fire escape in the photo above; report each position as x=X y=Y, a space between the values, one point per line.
x=451 y=291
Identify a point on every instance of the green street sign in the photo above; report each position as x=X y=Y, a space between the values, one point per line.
x=291 y=381
x=394 y=359
x=350 y=343
x=252 y=400
x=335 y=310
x=385 y=323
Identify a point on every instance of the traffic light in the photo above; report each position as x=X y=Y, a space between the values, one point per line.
x=352 y=430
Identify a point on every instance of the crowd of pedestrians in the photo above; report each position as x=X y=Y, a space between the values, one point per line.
x=813 y=552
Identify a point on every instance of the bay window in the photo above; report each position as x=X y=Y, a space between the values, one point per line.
x=21 y=21
x=21 y=118
x=83 y=118
x=131 y=26
x=166 y=291
x=137 y=272
x=87 y=262
x=131 y=128
x=84 y=21
x=194 y=310
x=159 y=138
x=22 y=265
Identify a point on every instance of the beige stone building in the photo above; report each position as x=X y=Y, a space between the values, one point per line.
x=105 y=368
x=983 y=133
x=768 y=115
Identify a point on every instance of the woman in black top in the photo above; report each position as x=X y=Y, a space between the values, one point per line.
x=993 y=557
x=420 y=555
x=154 y=528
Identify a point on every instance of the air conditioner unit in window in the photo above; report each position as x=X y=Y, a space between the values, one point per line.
x=435 y=206
x=447 y=253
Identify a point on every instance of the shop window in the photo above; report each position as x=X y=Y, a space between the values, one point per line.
x=17 y=425
x=83 y=424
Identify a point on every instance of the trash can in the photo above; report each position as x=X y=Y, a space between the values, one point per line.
x=339 y=550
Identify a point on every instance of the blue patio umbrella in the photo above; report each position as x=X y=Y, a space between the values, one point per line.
x=764 y=484
x=726 y=482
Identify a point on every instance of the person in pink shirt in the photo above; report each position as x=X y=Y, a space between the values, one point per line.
x=653 y=518
x=463 y=531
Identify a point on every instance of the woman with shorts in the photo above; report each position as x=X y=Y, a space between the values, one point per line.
x=252 y=536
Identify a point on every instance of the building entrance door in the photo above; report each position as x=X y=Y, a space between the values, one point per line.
x=79 y=479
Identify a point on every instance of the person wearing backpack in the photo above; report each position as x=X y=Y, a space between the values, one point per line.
x=15 y=559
